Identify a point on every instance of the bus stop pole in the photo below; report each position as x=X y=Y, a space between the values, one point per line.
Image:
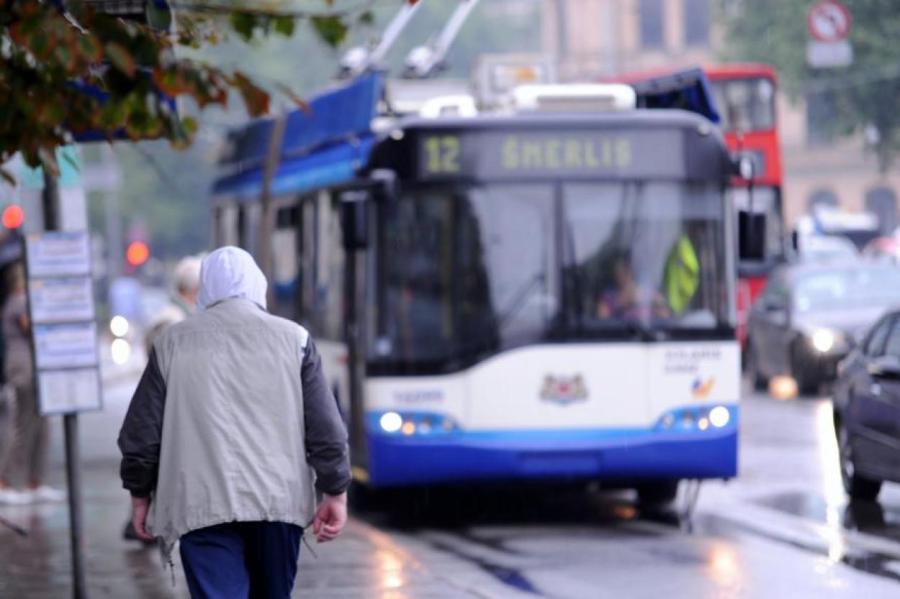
x=50 y=204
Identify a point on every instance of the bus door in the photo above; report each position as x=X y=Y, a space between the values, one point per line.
x=358 y=229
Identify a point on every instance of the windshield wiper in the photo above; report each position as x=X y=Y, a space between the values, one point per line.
x=521 y=296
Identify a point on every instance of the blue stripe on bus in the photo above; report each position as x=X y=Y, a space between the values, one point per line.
x=457 y=456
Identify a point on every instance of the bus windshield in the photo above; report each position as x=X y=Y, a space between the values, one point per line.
x=468 y=271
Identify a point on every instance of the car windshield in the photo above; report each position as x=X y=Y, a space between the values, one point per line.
x=848 y=288
x=472 y=270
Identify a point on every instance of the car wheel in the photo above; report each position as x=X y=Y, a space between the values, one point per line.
x=657 y=494
x=857 y=486
x=802 y=371
x=759 y=382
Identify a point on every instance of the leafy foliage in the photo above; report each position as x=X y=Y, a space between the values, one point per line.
x=862 y=95
x=69 y=69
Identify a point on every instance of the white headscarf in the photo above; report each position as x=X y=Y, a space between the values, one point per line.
x=230 y=272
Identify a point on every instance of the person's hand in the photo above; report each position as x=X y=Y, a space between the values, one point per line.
x=330 y=517
x=139 y=508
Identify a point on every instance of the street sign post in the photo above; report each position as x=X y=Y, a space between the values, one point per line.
x=828 y=22
x=64 y=334
x=61 y=304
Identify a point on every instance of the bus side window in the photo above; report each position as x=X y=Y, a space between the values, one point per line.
x=241 y=227
x=308 y=259
x=285 y=262
x=226 y=221
x=328 y=311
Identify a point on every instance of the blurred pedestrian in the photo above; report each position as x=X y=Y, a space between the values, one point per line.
x=186 y=284
x=231 y=432
x=22 y=471
x=183 y=303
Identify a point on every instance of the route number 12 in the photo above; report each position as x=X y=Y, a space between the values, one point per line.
x=442 y=155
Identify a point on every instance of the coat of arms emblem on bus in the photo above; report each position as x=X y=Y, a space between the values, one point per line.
x=564 y=390
x=701 y=388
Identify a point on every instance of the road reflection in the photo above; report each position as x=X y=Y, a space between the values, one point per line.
x=724 y=565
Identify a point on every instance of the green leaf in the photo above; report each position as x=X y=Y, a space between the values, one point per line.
x=331 y=29
x=121 y=58
x=244 y=24
x=367 y=18
x=284 y=25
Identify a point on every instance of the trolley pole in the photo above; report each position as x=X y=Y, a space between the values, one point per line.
x=266 y=219
x=50 y=204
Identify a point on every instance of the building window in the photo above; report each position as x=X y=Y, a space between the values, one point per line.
x=821 y=116
x=882 y=202
x=651 y=23
x=696 y=22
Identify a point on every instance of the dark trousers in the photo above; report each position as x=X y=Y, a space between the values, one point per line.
x=241 y=559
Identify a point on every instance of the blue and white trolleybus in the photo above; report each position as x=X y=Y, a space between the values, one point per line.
x=536 y=296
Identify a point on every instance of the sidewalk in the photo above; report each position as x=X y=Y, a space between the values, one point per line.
x=364 y=563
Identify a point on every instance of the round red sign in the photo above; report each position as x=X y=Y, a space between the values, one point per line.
x=828 y=21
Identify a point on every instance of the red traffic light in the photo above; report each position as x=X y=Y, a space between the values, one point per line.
x=137 y=253
x=13 y=216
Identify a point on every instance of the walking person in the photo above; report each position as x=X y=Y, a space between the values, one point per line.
x=183 y=303
x=22 y=471
x=229 y=437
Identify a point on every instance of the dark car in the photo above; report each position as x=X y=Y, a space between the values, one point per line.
x=867 y=411
x=810 y=316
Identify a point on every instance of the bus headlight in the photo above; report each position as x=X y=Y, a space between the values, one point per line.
x=391 y=422
x=719 y=416
x=696 y=418
x=411 y=423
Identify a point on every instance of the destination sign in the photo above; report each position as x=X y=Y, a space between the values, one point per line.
x=610 y=153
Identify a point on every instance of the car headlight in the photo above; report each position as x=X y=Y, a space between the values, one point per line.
x=823 y=340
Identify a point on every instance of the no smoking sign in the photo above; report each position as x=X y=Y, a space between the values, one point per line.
x=829 y=21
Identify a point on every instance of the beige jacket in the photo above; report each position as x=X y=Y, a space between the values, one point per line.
x=232 y=446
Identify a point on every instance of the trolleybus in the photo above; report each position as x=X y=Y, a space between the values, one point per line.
x=506 y=298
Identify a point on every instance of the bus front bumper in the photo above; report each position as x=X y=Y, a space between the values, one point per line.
x=461 y=456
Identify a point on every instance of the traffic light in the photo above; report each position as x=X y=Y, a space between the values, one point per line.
x=137 y=253
x=13 y=216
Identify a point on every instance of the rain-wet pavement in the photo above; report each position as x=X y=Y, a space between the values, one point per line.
x=782 y=529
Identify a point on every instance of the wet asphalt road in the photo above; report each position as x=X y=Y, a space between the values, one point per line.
x=782 y=529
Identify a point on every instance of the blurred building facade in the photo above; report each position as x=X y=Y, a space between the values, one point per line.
x=592 y=39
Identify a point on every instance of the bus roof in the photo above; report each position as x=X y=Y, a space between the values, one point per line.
x=714 y=72
x=740 y=70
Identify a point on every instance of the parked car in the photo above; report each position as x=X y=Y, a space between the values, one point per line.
x=810 y=316
x=826 y=248
x=867 y=411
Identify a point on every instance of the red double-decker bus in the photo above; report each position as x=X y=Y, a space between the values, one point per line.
x=745 y=98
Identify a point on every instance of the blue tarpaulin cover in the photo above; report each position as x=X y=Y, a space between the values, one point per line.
x=687 y=90
x=324 y=144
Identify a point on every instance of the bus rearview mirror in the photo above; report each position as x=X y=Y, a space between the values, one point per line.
x=751 y=236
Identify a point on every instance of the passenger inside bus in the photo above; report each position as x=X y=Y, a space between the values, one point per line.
x=626 y=299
